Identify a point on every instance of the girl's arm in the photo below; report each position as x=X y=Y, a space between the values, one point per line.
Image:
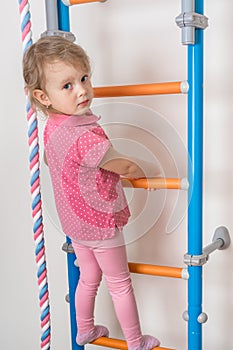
x=129 y=167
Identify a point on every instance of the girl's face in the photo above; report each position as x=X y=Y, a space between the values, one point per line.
x=68 y=89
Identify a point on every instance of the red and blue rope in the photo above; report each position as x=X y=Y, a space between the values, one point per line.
x=38 y=228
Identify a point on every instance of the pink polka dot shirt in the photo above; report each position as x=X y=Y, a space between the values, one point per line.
x=90 y=201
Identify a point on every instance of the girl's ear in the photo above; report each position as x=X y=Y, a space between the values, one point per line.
x=40 y=96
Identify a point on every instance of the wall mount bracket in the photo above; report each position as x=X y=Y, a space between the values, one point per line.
x=55 y=32
x=188 y=22
x=192 y=19
x=221 y=240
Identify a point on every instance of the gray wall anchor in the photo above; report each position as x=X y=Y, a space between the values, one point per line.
x=221 y=233
x=221 y=240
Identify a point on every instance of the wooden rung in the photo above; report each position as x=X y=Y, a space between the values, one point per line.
x=141 y=89
x=156 y=183
x=155 y=270
x=117 y=344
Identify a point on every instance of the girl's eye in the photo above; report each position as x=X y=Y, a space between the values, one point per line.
x=67 y=86
x=84 y=78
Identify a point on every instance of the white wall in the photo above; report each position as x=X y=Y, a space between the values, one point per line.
x=129 y=41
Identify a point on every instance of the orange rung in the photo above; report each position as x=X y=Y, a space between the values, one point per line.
x=155 y=183
x=117 y=344
x=140 y=89
x=77 y=2
x=155 y=270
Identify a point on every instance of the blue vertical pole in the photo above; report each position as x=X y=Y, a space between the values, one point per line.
x=195 y=148
x=73 y=277
x=63 y=16
x=73 y=271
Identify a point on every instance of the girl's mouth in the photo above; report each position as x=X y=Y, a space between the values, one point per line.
x=83 y=104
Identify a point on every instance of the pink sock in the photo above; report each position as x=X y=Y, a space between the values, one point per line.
x=147 y=343
x=97 y=332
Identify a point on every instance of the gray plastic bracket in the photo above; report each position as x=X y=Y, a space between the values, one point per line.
x=67 y=35
x=195 y=260
x=67 y=247
x=222 y=233
x=188 y=21
x=192 y=19
x=221 y=240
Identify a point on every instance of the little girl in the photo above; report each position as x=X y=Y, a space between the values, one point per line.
x=85 y=171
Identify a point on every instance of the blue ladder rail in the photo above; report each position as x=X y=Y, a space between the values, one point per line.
x=195 y=177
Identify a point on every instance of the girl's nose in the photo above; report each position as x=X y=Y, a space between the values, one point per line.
x=81 y=90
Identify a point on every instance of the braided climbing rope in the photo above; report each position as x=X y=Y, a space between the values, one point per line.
x=35 y=192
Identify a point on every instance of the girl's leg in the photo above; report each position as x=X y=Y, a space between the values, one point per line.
x=90 y=278
x=114 y=264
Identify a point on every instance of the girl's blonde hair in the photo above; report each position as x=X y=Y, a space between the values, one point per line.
x=47 y=50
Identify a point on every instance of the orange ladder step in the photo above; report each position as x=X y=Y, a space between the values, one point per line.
x=155 y=270
x=117 y=344
x=156 y=183
x=79 y=2
x=141 y=89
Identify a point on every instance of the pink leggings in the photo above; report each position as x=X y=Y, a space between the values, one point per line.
x=112 y=263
